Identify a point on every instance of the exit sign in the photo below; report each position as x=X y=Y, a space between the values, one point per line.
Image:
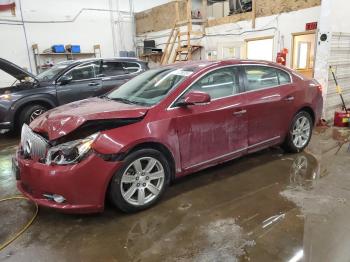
x=311 y=26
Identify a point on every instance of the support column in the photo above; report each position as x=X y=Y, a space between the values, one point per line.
x=321 y=73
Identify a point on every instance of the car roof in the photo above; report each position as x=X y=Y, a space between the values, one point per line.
x=121 y=59
x=200 y=64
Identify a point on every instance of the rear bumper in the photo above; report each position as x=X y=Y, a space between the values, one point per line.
x=83 y=185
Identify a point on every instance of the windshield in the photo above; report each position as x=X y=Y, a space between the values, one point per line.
x=53 y=71
x=150 y=87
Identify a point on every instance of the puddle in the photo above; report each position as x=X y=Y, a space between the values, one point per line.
x=326 y=187
x=226 y=241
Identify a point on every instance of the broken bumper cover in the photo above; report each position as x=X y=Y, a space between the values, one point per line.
x=82 y=185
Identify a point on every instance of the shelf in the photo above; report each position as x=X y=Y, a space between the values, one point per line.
x=40 y=56
x=73 y=54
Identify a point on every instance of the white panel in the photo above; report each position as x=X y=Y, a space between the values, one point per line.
x=340 y=61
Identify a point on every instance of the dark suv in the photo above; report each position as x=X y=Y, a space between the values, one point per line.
x=68 y=81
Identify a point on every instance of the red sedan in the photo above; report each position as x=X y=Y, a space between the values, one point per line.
x=166 y=123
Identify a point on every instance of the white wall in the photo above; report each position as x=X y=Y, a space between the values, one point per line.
x=335 y=22
x=279 y=26
x=48 y=22
x=141 y=5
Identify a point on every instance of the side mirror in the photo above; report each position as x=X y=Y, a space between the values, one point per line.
x=65 y=80
x=194 y=98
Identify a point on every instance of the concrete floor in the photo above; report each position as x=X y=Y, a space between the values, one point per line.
x=264 y=207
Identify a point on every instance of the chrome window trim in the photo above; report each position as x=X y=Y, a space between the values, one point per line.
x=172 y=107
x=232 y=153
x=74 y=67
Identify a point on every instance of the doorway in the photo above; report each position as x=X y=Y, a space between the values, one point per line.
x=303 y=53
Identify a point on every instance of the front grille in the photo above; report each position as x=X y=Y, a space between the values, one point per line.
x=33 y=145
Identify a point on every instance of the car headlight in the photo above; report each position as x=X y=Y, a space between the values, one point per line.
x=70 y=152
x=6 y=96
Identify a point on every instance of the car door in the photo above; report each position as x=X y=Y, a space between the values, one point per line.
x=113 y=75
x=211 y=132
x=270 y=99
x=83 y=82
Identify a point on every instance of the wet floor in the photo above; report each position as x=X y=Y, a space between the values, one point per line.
x=268 y=206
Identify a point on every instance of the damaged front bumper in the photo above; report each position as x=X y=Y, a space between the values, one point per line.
x=81 y=188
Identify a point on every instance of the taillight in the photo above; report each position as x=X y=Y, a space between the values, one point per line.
x=319 y=87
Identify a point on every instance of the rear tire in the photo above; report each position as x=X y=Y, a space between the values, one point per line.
x=141 y=181
x=299 y=134
x=29 y=113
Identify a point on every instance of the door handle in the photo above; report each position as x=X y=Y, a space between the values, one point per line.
x=289 y=98
x=93 y=84
x=241 y=112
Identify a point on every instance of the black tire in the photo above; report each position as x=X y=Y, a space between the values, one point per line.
x=26 y=114
x=115 y=188
x=289 y=145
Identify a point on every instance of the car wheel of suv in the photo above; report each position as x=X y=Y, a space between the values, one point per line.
x=300 y=133
x=141 y=181
x=29 y=113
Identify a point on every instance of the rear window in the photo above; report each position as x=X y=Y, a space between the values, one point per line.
x=284 y=77
x=112 y=68
x=260 y=77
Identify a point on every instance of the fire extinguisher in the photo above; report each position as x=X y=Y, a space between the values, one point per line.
x=282 y=57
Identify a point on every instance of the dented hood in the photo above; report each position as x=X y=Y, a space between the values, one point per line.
x=62 y=120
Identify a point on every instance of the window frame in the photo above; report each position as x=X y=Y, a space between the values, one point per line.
x=261 y=65
x=242 y=82
x=240 y=88
x=74 y=67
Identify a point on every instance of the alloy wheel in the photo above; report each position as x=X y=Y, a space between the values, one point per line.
x=301 y=132
x=142 y=181
x=35 y=114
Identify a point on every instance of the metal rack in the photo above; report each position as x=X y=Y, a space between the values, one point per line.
x=38 y=56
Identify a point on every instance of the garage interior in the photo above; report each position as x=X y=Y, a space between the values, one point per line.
x=265 y=206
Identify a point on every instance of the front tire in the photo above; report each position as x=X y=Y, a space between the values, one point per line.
x=141 y=182
x=300 y=132
x=29 y=113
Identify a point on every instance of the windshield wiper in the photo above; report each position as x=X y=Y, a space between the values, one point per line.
x=119 y=99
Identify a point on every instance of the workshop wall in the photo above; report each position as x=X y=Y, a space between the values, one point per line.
x=234 y=34
x=83 y=22
x=333 y=51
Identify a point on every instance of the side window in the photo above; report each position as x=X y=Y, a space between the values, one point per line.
x=131 y=67
x=284 y=77
x=110 y=68
x=220 y=83
x=259 y=77
x=85 y=71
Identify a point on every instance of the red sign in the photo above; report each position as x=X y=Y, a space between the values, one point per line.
x=7 y=5
x=311 y=26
